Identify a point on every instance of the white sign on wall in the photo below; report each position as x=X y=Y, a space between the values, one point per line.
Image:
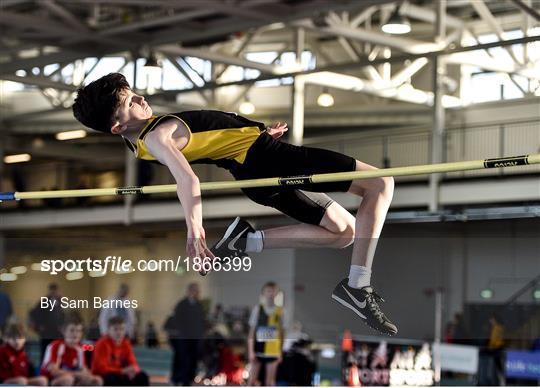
x=458 y=358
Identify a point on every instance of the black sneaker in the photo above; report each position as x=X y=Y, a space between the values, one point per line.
x=365 y=303
x=233 y=242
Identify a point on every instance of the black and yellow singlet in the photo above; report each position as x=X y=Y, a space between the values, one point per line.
x=216 y=137
x=269 y=333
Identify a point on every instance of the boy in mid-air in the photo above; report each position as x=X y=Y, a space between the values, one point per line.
x=64 y=362
x=15 y=368
x=249 y=149
x=113 y=357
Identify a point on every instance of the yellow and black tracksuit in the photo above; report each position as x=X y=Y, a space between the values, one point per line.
x=243 y=147
x=269 y=334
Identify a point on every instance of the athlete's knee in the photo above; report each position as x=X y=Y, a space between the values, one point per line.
x=384 y=186
x=389 y=184
x=347 y=235
x=341 y=224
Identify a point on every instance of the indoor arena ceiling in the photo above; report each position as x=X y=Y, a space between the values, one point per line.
x=41 y=32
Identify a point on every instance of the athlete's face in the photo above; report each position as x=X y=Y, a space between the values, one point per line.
x=269 y=294
x=16 y=343
x=132 y=108
x=117 y=332
x=73 y=334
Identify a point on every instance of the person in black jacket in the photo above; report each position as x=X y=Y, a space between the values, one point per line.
x=186 y=331
x=45 y=322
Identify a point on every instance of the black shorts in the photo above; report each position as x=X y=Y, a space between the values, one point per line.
x=266 y=360
x=272 y=158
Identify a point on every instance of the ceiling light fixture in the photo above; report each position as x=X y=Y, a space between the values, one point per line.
x=17 y=158
x=246 y=107
x=70 y=135
x=397 y=24
x=325 y=99
x=152 y=62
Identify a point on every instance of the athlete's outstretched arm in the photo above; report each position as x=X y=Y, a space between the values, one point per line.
x=161 y=145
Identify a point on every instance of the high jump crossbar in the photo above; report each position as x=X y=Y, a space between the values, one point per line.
x=292 y=181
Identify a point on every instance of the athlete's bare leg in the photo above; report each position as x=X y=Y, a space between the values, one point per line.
x=339 y=228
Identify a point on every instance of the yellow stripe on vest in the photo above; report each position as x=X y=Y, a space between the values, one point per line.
x=229 y=143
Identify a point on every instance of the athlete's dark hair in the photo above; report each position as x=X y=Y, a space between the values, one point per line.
x=14 y=330
x=269 y=284
x=116 y=320
x=72 y=317
x=96 y=102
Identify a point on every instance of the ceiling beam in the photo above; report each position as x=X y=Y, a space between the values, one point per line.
x=484 y=12
x=30 y=21
x=408 y=71
x=174 y=50
x=360 y=34
x=525 y=8
x=175 y=34
x=428 y=15
x=169 y=19
x=355 y=65
x=386 y=90
x=40 y=81
x=64 y=56
x=64 y=14
x=184 y=72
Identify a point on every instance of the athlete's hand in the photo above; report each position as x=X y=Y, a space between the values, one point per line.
x=196 y=245
x=277 y=130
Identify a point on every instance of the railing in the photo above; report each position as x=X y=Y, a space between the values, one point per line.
x=381 y=148
x=393 y=148
x=461 y=143
x=526 y=288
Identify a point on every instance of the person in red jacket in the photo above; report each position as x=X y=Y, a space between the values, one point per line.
x=64 y=362
x=15 y=369
x=113 y=357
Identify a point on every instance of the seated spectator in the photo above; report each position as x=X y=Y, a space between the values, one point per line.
x=15 y=369
x=64 y=362
x=113 y=358
x=151 y=336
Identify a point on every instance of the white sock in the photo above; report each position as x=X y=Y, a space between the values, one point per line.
x=255 y=241
x=359 y=276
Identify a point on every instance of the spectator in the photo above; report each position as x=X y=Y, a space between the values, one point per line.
x=294 y=336
x=93 y=334
x=218 y=316
x=265 y=336
x=186 y=332
x=113 y=357
x=150 y=336
x=128 y=314
x=6 y=309
x=64 y=362
x=461 y=333
x=495 y=348
x=449 y=332
x=15 y=368
x=46 y=322
x=496 y=336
